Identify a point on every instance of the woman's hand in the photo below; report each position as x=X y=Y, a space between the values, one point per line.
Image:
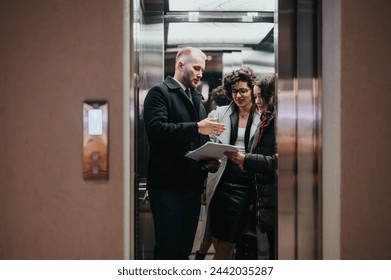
x=236 y=157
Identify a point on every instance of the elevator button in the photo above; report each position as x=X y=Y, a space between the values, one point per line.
x=95 y=169
x=95 y=156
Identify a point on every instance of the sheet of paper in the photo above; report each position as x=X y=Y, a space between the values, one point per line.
x=211 y=150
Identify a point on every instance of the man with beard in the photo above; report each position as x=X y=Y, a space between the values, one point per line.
x=176 y=123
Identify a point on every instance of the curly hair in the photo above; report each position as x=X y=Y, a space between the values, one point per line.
x=218 y=96
x=244 y=74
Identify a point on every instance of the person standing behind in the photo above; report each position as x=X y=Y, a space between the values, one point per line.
x=219 y=98
x=260 y=162
x=176 y=123
x=228 y=190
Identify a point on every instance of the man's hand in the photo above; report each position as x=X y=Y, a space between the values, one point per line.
x=211 y=165
x=210 y=126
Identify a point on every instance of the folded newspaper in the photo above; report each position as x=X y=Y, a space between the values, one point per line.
x=211 y=150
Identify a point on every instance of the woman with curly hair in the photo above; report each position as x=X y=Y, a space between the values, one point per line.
x=261 y=163
x=228 y=190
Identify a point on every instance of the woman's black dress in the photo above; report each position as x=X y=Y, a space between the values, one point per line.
x=229 y=208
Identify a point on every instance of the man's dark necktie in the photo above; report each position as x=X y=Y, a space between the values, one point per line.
x=188 y=93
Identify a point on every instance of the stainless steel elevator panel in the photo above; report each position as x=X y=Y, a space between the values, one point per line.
x=299 y=128
x=148 y=37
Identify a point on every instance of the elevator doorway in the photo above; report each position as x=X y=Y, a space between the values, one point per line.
x=232 y=34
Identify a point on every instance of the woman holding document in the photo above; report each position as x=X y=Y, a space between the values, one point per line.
x=261 y=161
x=228 y=190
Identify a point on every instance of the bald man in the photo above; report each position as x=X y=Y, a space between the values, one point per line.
x=176 y=123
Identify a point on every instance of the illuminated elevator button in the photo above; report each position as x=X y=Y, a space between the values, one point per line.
x=95 y=122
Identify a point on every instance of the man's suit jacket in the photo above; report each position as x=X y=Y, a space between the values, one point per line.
x=171 y=125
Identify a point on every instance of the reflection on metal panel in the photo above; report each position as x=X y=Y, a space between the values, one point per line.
x=149 y=72
x=298 y=132
x=308 y=139
x=287 y=184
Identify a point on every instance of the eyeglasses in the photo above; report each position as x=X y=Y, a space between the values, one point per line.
x=241 y=91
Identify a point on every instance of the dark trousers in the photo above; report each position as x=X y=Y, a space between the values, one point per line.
x=271 y=236
x=175 y=218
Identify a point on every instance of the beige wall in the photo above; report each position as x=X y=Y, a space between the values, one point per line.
x=365 y=129
x=54 y=55
x=357 y=135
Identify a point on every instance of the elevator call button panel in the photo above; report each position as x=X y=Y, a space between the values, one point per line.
x=95 y=140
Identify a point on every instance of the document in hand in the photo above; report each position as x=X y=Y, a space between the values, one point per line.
x=211 y=150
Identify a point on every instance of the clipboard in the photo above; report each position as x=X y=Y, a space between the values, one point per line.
x=210 y=151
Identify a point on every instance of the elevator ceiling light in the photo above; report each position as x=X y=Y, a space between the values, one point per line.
x=222 y=5
x=209 y=33
x=193 y=16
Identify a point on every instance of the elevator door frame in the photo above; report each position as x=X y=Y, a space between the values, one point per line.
x=299 y=130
